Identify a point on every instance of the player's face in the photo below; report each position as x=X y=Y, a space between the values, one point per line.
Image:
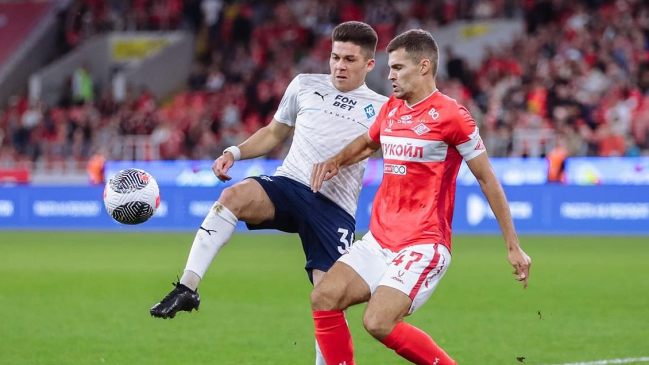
x=348 y=66
x=404 y=74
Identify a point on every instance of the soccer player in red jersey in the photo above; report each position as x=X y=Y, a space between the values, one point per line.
x=424 y=136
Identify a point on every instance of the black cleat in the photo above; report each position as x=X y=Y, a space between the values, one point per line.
x=180 y=299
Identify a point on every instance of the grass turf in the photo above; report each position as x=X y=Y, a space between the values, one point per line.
x=83 y=298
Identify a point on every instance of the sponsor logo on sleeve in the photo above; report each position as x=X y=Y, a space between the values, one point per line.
x=369 y=111
x=480 y=145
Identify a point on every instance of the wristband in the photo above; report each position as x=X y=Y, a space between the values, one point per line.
x=235 y=151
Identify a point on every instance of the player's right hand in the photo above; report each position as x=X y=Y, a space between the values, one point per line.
x=221 y=166
x=521 y=263
x=322 y=172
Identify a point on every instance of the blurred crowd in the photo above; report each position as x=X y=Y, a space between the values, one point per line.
x=576 y=83
x=578 y=78
x=85 y=18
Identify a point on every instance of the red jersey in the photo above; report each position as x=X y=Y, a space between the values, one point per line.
x=423 y=146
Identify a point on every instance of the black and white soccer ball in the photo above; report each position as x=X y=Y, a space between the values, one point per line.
x=131 y=196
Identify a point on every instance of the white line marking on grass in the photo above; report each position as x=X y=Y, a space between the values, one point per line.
x=613 y=361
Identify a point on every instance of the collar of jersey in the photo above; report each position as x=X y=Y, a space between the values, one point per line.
x=420 y=101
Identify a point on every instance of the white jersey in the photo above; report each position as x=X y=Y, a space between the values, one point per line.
x=325 y=121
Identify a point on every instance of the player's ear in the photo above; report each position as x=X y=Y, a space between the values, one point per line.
x=424 y=66
x=369 y=66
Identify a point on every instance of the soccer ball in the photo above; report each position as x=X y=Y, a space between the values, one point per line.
x=131 y=196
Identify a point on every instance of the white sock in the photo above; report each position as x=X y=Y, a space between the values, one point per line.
x=214 y=233
x=319 y=359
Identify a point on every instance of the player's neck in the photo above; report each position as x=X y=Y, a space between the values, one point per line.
x=421 y=94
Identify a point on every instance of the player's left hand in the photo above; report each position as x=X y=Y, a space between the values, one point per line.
x=322 y=172
x=521 y=262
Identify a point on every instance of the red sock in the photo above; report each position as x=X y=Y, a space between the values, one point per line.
x=416 y=346
x=334 y=338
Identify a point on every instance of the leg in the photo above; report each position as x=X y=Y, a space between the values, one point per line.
x=326 y=231
x=246 y=201
x=387 y=307
x=347 y=283
x=317 y=276
x=407 y=284
x=339 y=289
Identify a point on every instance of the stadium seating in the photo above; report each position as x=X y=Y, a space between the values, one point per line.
x=575 y=84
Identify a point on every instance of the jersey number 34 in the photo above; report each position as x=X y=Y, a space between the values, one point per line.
x=346 y=243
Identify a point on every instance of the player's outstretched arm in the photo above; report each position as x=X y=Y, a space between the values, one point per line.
x=357 y=150
x=259 y=144
x=493 y=191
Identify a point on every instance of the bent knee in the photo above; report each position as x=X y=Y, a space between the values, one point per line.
x=248 y=201
x=323 y=299
x=235 y=199
x=229 y=197
x=377 y=326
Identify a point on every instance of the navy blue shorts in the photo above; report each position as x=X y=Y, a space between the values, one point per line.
x=326 y=229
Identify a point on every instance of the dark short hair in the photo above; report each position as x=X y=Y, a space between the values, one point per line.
x=358 y=33
x=419 y=44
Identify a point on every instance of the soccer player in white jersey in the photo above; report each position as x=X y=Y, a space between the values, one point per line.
x=424 y=136
x=326 y=112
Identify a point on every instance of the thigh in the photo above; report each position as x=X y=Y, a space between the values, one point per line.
x=387 y=305
x=317 y=276
x=248 y=201
x=416 y=271
x=326 y=232
x=340 y=288
x=369 y=260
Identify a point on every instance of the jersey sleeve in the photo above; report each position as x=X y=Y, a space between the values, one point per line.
x=288 y=108
x=464 y=135
x=375 y=128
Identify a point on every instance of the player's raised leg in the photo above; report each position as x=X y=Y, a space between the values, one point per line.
x=246 y=201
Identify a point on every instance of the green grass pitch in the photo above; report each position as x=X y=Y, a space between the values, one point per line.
x=84 y=298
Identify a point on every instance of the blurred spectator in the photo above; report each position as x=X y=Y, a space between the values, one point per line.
x=212 y=19
x=576 y=84
x=556 y=159
x=455 y=68
x=82 y=85
x=96 y=168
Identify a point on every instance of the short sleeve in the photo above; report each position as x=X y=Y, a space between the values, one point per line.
x=288 y=108
x=375 y=128
x=464 y=135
